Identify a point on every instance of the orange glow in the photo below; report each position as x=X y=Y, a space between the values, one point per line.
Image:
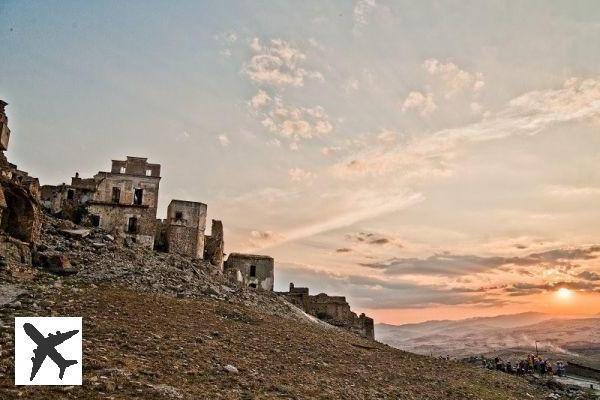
x=564 y=293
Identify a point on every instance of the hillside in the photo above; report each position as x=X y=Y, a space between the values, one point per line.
x=162 y=326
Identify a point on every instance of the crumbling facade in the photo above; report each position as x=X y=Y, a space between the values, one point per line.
x=20 y=210
x=4 y=130
x=185 y=225
x=69 y=201
x=214 y=245
x=332 y=309
x=126 y=200
x=251 y=270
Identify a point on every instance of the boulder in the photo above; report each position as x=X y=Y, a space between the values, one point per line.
x=76 y=233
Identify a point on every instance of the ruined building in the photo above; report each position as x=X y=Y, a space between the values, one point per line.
x=332 y=309
x=251 y=270
x=126 y=200
x=69 y=201
x=123 y=201
x=214 y=245
x=20 y=210
x=185 y=225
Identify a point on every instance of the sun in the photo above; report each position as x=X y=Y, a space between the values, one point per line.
x=564 y=293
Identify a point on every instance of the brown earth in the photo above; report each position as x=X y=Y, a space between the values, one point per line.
x=147 y=346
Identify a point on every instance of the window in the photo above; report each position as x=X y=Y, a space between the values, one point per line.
x=137 y=197
x=95 y=220
x=122 y=170
x=178 y=216
x=116 y=195
x=252 y=271
x=148 y=172
x=70 y=194
x=132 y=225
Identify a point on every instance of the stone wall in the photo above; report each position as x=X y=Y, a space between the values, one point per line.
x=4 y=130
x=20 y=210
x=21 y=216
x=135 y=166
x=251 y=270
x=214 y=245
x=186 y=222
x=115 y=220
x=332 y=309
x=126 y=185
x=126 y=199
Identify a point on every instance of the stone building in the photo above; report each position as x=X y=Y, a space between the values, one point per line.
x=214 y=245
x=332 y=309
x=126 y=199
x=69 y=201
x=20 y=210
x=185 y=225
x=4 y=130
x=251 y=270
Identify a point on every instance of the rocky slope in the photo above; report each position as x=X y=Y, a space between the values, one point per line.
x=159 y=326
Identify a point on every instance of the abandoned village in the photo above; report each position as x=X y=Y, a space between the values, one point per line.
x=123 y=203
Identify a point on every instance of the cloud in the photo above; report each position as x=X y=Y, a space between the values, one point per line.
x=375 y=293
x=589 y=276
x=447 y=264
x=294 y=146
x=260 y=99
x=528 y=114
x=260 y=239
x=422 y=103
x=387 y=137
x=297 y=123
x=329 y=151
x=527 y=289
x=564 y=191
x=277 y=64
x=370 y=238
x=350 y=208
x=454 y=79
x=361 y=12
x=227 y=37
x=351 y=85
x=299 y=175
x=224 y=140
x=274 y=142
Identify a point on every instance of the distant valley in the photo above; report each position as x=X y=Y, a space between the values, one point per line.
x=570 y=338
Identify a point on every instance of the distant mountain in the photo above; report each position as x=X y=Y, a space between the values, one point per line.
x=567 y=337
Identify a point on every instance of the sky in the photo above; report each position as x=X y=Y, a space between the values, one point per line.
x=428 y=160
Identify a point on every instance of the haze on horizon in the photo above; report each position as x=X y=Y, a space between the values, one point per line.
x=429 y=160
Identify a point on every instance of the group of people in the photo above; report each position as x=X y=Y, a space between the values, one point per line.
x=533 y=364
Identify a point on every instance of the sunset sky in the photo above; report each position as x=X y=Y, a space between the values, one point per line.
x=427 y=159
